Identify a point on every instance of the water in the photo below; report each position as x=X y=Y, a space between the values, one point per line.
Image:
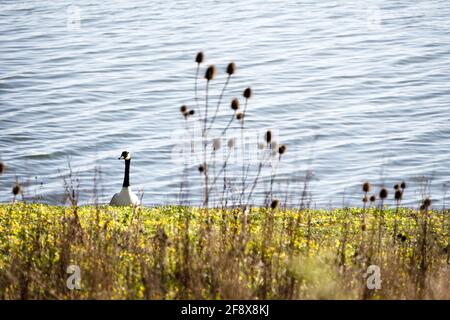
x=357 y=90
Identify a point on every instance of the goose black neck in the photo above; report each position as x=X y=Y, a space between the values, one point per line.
x=126 y=178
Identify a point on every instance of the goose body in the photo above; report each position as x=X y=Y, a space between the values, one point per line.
x=125 y=197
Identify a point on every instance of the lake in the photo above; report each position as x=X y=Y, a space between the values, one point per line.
x=356 y=90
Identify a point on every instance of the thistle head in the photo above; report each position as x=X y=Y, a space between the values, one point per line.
x=366 y=187
x=16 y=189
x=210 y=73
x=247 y=93
x=231 y=143
x=398 y=195
x=202 y=168
x=426 y=203
x=200 y=57
x=268 y=136
x=383 y=193
x=235 y=104
x=231 y=68
x=282 y=149
x=274 y=204
x=273 y=145
x=216 y=144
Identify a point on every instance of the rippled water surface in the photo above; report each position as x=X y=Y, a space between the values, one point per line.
x=356 y=90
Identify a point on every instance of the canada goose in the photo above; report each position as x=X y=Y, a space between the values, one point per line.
x=125 y=197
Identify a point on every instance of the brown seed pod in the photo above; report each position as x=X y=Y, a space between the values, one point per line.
x=183 y=109
x=191 y=112
x=200 y=57
x=373 y=198
x=365 y=199
x=216 y=144
x=268 y=136
x=396 y=187
x=16 y=189
x=210 y=73
x=201 y=168
x=275 y=203
x=240 y=116
x=247 y=93
x=2 y=167
x=426 y=203
x=383 y=193
x=366 y=187
x=231 y=68
x=403 y=185
x=281 y=149
x=398 y=195
x=235 y=104
x=231 y=143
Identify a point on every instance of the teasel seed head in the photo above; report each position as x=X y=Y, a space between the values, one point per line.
x=398 y=195
x=247 y=93
x=240 y=116
x=16 y=189
x=275 y=203
x=202 y=168
x=426 y=203
x=383 y=193
x=210 y=73
x=373 y=198
x=273 y=145
x=200 y=57
x=282 y=149
x=183 y=109
x=366 y=187
x=186 y=114
x=216 y=144
x=231 y=143
x=274 y=152
x=403 y=185
x=365 y=199
x=235 y=104
x=231 y=68
x=191 y=112
x=2 y=167
x=268 y=136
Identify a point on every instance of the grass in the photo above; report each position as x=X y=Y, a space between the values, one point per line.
x=178 y=253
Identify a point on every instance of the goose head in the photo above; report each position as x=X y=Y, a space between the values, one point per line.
x=125 y=156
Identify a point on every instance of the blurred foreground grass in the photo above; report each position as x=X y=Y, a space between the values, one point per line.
x=182 y=253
